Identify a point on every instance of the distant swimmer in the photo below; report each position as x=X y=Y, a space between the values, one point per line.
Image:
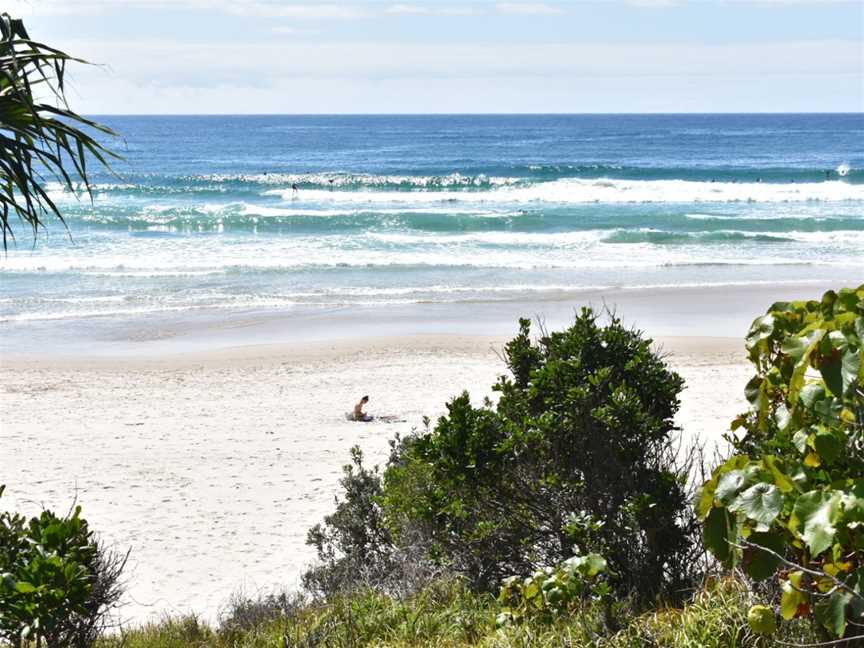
x=359 y=414
x=294 y=190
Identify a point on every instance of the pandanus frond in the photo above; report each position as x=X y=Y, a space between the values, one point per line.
x=41 y=138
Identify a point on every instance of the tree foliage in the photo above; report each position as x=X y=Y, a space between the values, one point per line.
x=575 y=458
x=791 y=502
x=57 y=584
x=352 y=539
x=41 y=138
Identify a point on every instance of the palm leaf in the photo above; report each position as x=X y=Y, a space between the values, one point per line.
x=41 y=139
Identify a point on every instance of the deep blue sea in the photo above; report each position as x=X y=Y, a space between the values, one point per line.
x=200 y=215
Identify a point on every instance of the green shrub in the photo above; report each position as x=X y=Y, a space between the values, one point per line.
x=244 y=616
x=554 y=591
x=576 y=457
x=354 y=546
x=791 y=503
x=57 y=584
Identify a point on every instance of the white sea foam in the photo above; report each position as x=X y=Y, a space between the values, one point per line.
x=275 y=212
x=359 y=296
x=336 y=179
x=602 y=190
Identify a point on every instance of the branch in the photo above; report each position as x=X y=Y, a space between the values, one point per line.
x=821 y=574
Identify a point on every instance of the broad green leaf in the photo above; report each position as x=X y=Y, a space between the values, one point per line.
x=831 y=613
x=799 y=440
x=761 y=502
x=588 y=566
x=755 y=394
x=796 y=382
x=719 y=530
x=705 y=498
x=733 y=463
x=594 y=564
x=847 y=415
x=761 y=620
x=812 y=392
x=761 y=329
x=732 y=482
x=781 y=479
x=759 y=564
x=795 y=347
x=782 y=416
x=791 y=598
x=850 y=368
x=830 y=368
x=24 y=587
x=829 y=443
x=813 y=518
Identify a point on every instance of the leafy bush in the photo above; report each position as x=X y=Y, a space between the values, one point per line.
x=791 y=503
x=577 y=457
x=244 y=616
x=554 y=591
x=355 y=548
x=57 y=584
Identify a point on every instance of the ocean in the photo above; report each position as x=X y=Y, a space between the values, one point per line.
x=200 y=216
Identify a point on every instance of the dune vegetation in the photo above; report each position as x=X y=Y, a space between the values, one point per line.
x=565 y=514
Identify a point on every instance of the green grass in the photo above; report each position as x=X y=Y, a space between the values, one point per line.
x=448 y=615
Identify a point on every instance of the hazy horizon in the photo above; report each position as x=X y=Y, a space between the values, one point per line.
x=478 y=114
x=469 y=57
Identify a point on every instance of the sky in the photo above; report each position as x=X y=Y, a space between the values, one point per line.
x=278 y=56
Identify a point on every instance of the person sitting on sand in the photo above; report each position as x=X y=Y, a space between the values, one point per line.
x=359 y=414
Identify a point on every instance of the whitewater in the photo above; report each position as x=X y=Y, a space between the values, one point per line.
x=364 y=212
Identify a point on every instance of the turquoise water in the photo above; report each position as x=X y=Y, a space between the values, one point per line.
x=201 y=215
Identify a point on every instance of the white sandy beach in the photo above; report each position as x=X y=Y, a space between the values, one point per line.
x=212 y=466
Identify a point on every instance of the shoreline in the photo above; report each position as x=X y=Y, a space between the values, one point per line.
x=661 y=312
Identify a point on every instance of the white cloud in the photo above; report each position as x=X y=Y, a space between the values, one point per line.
x=294 y=31
x=428 y=10
x=528 y=8
x=296 y=11
x=267 y=8
x=262 y=64
x=665 y=4
x=348 y=10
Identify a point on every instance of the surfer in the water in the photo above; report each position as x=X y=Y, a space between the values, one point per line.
x=294 y=189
